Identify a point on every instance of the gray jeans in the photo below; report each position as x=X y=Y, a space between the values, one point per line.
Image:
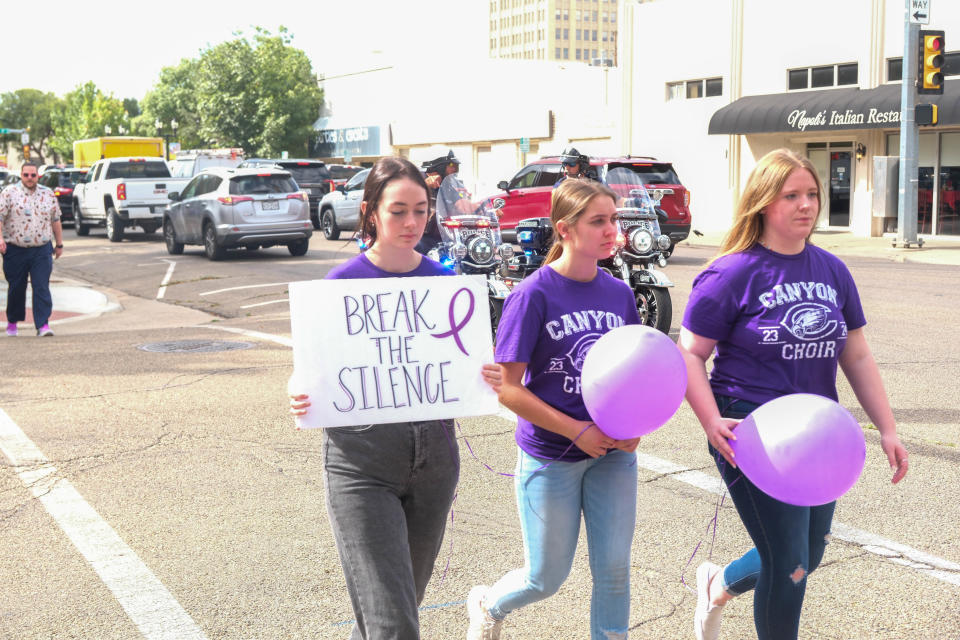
x=389 y=489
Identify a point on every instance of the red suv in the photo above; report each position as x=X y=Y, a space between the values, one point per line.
x=527 y=195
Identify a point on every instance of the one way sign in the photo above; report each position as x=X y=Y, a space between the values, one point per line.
x=920 y=11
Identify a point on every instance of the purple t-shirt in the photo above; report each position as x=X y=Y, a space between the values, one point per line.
x=550 y=322
x=361 y=267
x=780 y=321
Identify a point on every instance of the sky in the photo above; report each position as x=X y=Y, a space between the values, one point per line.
x=122 y=46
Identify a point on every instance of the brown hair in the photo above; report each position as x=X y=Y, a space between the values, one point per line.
x=763 y=188
x=568 y=202
x=385 y=171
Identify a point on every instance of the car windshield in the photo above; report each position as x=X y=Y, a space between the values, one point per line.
x=655 y=172
x=129 y=170
x=251 y=185
x=182 y=168
x=308 y=173
x=343 y=173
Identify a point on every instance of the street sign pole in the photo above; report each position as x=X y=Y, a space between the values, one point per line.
x=909 y=135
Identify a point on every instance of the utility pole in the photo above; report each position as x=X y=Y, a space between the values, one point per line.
x=909 y=136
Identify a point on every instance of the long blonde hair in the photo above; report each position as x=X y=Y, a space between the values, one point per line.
x=762 y=189
x=568 y=202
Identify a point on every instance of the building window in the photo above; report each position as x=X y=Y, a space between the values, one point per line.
x=825 y=76
x=690 y=89
x=557 y=53
x=559 y=31
x=694 y=89
x=566 y=53
x=578 y=34
x=714 y=87
x=566 y=34
x=578 y=54
x=951 y=67
x=594 y=35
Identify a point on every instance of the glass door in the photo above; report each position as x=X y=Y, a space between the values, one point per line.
x=820 y=159
x=839 y=188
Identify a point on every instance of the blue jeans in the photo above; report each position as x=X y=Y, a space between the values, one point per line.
x=389 y=489
x=35 y=263
x=789 y=544
x=550 y=502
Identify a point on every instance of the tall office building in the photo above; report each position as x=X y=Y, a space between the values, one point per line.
x=574 y=30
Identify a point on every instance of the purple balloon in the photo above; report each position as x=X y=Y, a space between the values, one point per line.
x=633 y=380
x=802 y=449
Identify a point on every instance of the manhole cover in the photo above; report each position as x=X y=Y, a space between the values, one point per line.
x=194 y=346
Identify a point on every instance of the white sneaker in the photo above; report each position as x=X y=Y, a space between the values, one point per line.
x=483 y=626
x=706 y=619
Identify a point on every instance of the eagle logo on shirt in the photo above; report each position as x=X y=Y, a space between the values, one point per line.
x=808 y=321
x=578 y=352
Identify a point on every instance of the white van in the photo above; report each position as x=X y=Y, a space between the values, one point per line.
x=191 y=162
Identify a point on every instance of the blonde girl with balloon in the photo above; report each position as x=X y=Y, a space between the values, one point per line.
x=389 y=487
x=757 y=308
x=567 y=467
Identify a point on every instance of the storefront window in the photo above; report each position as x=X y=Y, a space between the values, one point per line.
x=948 y=215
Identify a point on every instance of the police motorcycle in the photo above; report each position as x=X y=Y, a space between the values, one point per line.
x=640 y=248
x=470 y=240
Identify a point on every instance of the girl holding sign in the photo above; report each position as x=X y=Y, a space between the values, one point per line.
x=389 y=487
x=779 y=314
x=566 y=465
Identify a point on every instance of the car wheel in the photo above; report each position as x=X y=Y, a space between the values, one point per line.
x=174 y=248
x=328 y=222
x=114 y=225
x=211 y=246
x=78 y=226
x=299 y=248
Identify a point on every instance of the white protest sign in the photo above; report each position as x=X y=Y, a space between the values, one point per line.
x=381 y=350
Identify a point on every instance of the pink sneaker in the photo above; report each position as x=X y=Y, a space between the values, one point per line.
x=45 y=331
x=12 y=329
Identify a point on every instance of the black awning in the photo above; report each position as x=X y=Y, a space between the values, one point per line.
x=829 y=110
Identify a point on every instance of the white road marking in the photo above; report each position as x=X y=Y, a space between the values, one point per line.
x=260 y=304
x=891 y=550
x=166 y=279
x=249 y=286
x=150 y=606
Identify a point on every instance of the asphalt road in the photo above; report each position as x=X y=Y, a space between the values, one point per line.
x=212 y=505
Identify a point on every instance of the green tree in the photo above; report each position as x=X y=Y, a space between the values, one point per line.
x=85 y=113
x=261 y=95
x=29 y=109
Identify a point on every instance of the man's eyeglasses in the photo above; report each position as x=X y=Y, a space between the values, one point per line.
x=29 y=175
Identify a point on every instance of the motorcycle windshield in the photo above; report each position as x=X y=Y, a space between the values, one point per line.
x=460 y=219
x=633 y=199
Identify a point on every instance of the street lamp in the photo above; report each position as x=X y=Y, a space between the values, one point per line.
x=160 y=132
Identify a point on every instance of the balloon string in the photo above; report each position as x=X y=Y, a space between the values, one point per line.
x=537 y=470
x=712 y=523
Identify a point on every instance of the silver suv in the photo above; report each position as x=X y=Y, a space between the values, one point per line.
x=231 y=208
x=340 y=209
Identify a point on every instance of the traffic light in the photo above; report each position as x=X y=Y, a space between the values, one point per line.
x=932 y=46
x=26 y=152
x=925 y=114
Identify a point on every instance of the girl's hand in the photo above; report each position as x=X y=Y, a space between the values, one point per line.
x=627 y=445
x=896 y=454
x=299 y=404
x=492 y=376
x=593 y=442
x=718 y=433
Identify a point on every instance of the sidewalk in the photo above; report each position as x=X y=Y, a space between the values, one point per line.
x=945 y=251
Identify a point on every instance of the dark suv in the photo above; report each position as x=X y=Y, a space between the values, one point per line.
x=62 y=181
x=312 y=176
x=527 y=194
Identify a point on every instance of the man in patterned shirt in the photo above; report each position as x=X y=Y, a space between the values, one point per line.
x=29 y=219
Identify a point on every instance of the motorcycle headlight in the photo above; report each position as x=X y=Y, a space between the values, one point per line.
x=480 y=250
x=459 y=251
x=506 y=251
x=641 y=240
x=664 y=242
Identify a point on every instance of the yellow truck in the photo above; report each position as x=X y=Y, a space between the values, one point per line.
x=86 y=152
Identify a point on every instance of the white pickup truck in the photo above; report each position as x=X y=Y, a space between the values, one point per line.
x=122 y=192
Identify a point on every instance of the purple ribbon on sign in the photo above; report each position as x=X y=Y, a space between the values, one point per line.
x=455 y=327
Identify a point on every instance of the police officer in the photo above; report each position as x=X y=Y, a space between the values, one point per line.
x=436 y=170
x=574 y=165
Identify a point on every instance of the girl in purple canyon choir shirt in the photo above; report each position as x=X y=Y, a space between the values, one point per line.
x=567 y=466
x=779 y=315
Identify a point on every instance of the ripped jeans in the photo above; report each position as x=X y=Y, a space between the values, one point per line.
x=789 y=544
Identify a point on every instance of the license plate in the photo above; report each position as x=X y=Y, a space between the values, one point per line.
x=271 y=205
